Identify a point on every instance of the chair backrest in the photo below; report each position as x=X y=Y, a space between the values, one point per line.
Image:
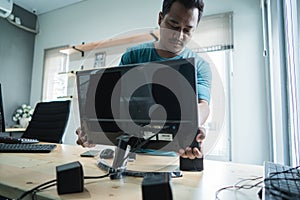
x=49 y=121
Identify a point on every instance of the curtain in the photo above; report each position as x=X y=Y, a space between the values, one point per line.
x=293 y=77
x=282 y=47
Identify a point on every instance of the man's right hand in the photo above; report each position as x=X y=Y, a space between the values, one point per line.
x=82 y=139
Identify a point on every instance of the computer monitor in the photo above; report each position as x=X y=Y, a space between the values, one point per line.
x=155 y=102
x=2 y=121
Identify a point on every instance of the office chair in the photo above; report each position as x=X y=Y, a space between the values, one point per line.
x=49 y=121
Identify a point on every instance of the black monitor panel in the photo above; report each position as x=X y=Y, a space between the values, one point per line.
x=2 y=121
x=153 y=100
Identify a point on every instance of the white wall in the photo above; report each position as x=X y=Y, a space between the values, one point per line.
x=249 y=117
x=88 y=21
x=95 y=20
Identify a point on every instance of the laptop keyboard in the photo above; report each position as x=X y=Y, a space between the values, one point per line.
x=26 y=148
x=281 y=182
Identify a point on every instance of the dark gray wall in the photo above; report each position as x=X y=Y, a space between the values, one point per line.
x=16 y=60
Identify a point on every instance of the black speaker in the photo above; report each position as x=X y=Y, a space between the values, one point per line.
x=69 y=178
x=157 y=187
x=186 y=164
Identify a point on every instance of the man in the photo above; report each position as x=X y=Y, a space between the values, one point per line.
x=178 y=21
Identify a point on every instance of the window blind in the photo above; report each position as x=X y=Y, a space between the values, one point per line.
x=214 y=33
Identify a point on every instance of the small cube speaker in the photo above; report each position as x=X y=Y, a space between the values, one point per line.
x=157 y=187
x=69 y=178
x=186 y=164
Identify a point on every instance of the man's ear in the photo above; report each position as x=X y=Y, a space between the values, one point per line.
x=160 y=18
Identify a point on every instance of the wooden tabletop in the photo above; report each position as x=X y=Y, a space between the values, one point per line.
x=20 y=172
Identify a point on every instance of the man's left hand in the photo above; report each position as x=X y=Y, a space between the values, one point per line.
x=195 y=152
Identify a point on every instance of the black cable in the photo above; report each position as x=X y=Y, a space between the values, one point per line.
x=140 y=144
x=33 y=189
x=40 y=189
x=46 y=185
x=137 y=145
x=134 y=149
x=98 y=177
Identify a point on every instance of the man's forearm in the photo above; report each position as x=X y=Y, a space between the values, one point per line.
x=203 y=110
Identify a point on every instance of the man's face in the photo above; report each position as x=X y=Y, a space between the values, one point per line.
x=177 y=27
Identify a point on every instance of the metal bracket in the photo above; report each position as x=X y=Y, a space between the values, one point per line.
x=82 y=52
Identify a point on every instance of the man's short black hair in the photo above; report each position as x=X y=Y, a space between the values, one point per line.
x=186 y=3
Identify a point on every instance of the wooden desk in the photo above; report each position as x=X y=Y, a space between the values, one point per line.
x=21 y=172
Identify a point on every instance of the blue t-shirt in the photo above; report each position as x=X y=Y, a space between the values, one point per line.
x=146 y=52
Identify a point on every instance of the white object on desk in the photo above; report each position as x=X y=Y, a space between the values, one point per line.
x=15 y=129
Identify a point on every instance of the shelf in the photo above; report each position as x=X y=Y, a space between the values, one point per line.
x=111 y=42
x=65 y=97
x=68 y=73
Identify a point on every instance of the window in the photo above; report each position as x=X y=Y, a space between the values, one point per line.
x=222 y=63
x=214 y=42
x=55 y=79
